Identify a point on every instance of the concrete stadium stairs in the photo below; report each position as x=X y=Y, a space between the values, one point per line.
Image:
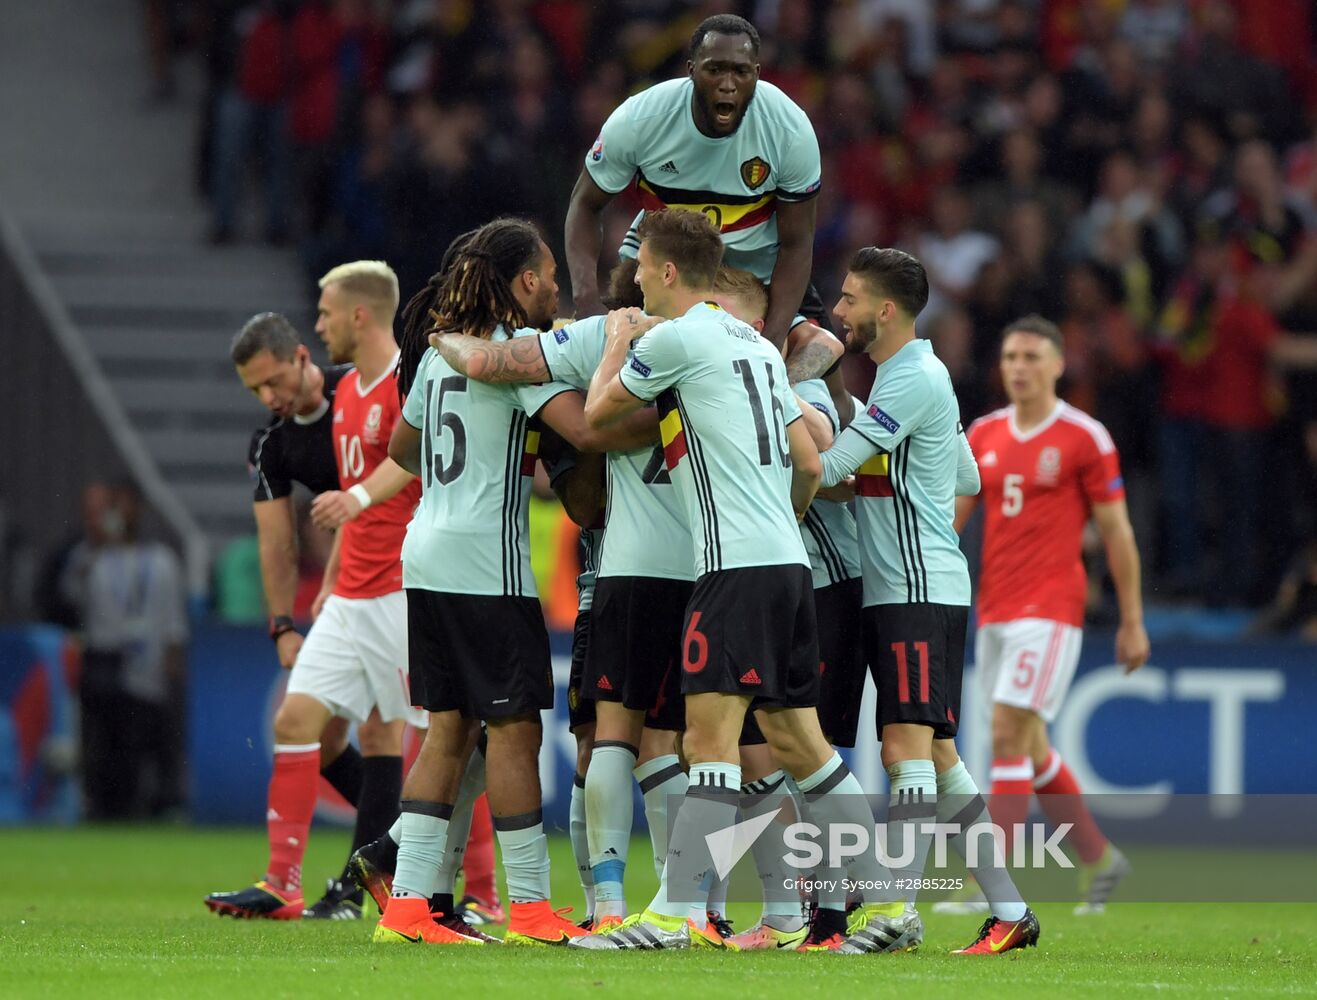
x=100 y=184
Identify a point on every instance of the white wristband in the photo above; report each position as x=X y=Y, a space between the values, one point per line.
x=359 y=494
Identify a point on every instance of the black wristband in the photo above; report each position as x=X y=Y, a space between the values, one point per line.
x=279 y=624
x=835 y=365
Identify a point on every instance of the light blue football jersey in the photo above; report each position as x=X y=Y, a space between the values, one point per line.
x=905 y=449
x=736 y=180
x=828 y=529
x=470 y=533
x=645 y=528
x=724 y=406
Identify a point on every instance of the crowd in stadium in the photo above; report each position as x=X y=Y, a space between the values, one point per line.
x=1143 y=172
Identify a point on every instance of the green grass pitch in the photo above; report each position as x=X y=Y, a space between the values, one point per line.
x=117 y=913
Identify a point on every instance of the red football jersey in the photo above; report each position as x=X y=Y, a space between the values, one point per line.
x=370 y=556
x=1038 y=490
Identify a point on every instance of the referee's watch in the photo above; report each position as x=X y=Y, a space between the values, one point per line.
x=279 y=624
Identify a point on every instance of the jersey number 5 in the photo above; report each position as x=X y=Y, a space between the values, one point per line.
x=1012 y=494
x=742 y=367
x=450 y=421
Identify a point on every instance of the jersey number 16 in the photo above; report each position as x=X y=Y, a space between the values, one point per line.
x=744 y=368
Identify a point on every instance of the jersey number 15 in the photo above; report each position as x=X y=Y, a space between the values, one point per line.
x=437 y=470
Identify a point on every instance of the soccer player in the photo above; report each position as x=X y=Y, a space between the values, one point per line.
x=631 y=670
x=1046 y=468
x=829 y=534
x=295 y=446
x=351 y=662
x=721 y=142
x=644 y=576
x=910 y=460
x=479 y=650
x=746 y=470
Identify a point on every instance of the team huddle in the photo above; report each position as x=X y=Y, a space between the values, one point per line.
x=756 y=542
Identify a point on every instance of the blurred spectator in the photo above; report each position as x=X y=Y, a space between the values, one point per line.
x=952 y=252
x=1154 y=28
x=131 y=686
x=1040 y=155
x=1218 y=404
x=1105 y=357
x=63 y=587
x=251 y=123
x=1020 y=178
x=1217 y=75
x=1271 y=230
x=952 y=336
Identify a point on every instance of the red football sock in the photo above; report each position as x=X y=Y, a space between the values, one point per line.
x=1061 y=801
x=478 y=861
x=292 y=801
x=1008 y=802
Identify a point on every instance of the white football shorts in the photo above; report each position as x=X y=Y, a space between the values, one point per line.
x=1028 y=663
x=355 y=659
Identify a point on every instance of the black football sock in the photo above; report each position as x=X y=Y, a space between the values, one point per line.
x=345 y=773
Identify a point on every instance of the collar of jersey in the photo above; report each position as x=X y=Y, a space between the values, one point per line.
x=365 y=390
x=1034 y=431
x=314 y=415
x=919 y=344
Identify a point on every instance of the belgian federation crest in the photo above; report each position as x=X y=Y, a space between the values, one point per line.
x=755 y=171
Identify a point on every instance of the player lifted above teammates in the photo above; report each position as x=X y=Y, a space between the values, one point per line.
x=478 y=646
x=351 y=663
x=910 y=461
x=720 y=142
x=741 y=460
x=1046 y=467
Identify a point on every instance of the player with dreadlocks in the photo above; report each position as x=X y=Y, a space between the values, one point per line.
x=478 y=648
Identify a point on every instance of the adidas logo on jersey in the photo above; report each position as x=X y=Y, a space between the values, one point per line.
x=669 y=168
x=751 y=676
x=604 y=684
x=989 y=459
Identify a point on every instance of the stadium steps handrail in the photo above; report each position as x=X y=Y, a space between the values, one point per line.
x=114 y=419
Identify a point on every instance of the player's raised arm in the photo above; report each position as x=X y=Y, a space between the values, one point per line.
x=584 y=239
x=795 y=259
x=1113 y=524
x=810 y=352
x=520 y=359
